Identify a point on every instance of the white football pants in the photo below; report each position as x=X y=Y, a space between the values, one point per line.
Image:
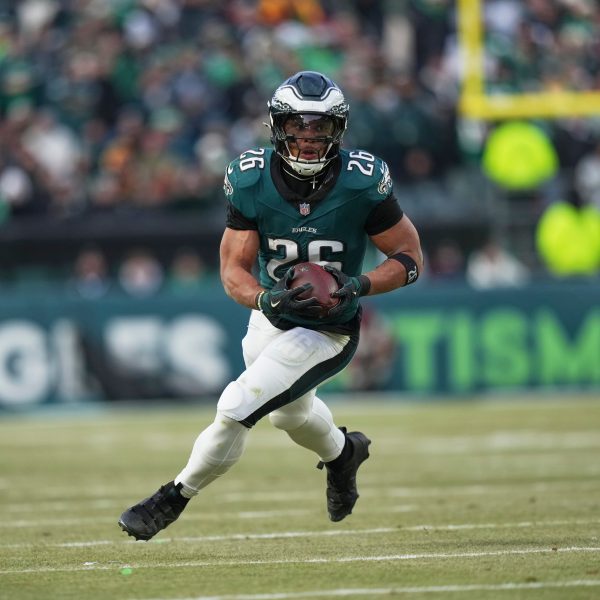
x=283 y=370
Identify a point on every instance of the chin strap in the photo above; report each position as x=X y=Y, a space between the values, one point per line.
x=315 y=179
x=307 y=168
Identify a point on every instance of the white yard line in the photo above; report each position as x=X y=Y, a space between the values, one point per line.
x=433 y=589
x=49 y=506
x=204 y=516
x=327 y=533
x=107 y=497
x=220 y=538
x=493 y=488
x=508 y=441
x=346 y=559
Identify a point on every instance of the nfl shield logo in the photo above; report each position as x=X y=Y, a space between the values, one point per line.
x=304 y=208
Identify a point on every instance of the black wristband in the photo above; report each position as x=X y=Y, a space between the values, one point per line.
x=412 y=271
x=365 y=284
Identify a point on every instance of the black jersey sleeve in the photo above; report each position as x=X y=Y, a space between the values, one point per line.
x=383 y=216
x=236 y=220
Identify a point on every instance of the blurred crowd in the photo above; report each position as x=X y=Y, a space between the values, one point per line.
x=110 y=106
x=555 y=47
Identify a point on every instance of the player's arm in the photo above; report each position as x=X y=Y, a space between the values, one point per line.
x=394 y=234
x=239 y=248
x=401 y=244
x=238 y=253
x=240 y=245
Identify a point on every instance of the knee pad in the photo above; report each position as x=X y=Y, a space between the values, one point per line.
x=288 y=419
x=230 y=401
x=310 y=424
x=233 y=402
x=292 y=416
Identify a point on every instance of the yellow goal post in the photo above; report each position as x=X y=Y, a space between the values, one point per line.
x=475 y=103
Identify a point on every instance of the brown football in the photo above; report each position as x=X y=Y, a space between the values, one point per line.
x=323 y=285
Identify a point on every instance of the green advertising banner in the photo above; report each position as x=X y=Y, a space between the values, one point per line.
x=459 y=340
x=430 y=340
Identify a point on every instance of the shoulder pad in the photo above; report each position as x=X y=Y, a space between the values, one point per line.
x=363 y=171
x=246 y=170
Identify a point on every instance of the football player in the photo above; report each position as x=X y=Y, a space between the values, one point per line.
x=305 y=199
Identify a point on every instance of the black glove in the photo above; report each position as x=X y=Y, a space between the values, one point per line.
x=351 y=288
x=281 y=300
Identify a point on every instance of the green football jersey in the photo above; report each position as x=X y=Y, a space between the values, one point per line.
x=329 y=231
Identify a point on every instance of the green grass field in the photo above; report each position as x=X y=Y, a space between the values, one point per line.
x=475 y=500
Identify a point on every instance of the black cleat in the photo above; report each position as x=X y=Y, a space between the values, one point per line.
x=341 y=481
x=145 y=519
